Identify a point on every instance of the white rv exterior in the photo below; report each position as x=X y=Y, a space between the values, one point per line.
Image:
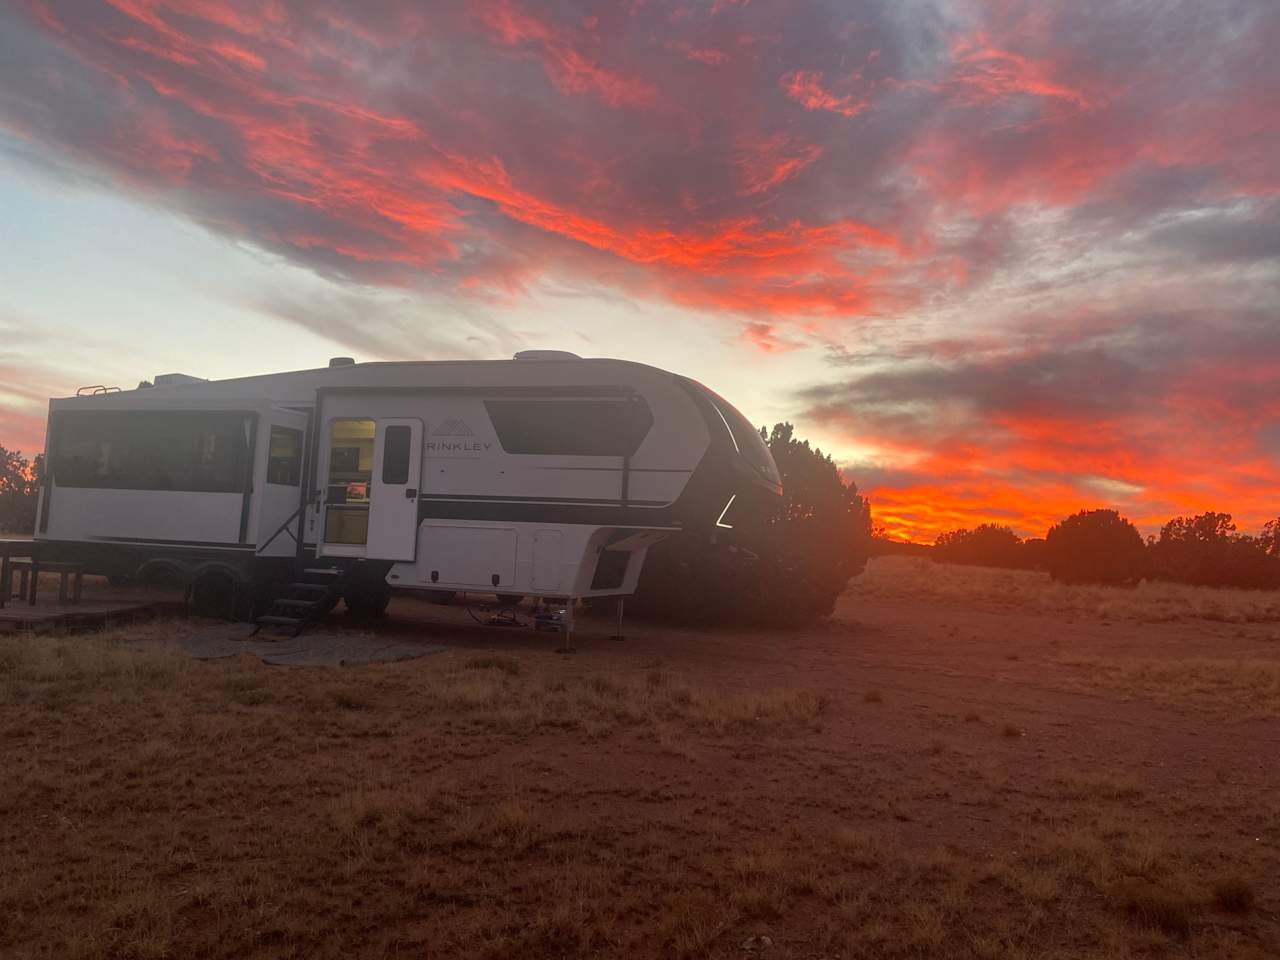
x=547 y=475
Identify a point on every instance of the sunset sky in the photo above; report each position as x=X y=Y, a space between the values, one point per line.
x=1003 y=260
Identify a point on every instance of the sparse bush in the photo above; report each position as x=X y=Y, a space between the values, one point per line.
x=1095 y=546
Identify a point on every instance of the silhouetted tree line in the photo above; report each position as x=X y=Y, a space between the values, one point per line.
x=783 y=565
x=1100 y=546
x=19 y=487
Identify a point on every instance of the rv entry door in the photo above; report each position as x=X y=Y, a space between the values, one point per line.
x=393 y=494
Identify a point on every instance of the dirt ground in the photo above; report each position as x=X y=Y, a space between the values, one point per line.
x=957 y=764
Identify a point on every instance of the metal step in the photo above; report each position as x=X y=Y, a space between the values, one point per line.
x=280 y=621
x=323 y=571
x=289 y=603
x=311 y=587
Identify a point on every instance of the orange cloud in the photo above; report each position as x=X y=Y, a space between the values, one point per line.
x=692 y=154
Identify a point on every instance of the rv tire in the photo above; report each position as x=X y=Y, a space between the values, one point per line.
x=366 y=599
x=220 y=594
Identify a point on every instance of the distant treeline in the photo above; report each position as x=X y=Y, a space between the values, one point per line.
x=1100 y=546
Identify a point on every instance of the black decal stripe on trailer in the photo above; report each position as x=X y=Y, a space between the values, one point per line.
x=562 y=501
x=608 y=513
x=172 y=543
x=685 y=470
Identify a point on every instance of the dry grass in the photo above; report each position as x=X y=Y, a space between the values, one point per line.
x=1244 y=686
x=156 y=806
x=523 y=805
x=1097 y=785
x=921 y=580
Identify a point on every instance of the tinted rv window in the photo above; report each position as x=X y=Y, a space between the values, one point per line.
x=395 y=454
x=584 y=428
x=284 y=461
x=746 y=439
x=150 y=450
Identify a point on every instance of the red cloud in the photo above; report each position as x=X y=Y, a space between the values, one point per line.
x=696 y=154
x=805 y=87
x=568 y=67
x=984 y=73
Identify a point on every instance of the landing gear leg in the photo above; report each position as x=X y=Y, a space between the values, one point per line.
x=566 y=627
x=620 y=635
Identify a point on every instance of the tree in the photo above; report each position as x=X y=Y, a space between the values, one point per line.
x=785 y=563
x=1095 y=546
x=19 y=488
x=1206 y=550
x=1270 y=539
x=986 y=545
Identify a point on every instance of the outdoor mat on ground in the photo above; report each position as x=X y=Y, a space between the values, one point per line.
x=332 y=647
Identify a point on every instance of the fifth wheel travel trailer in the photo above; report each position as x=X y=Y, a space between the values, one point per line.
x=547 y=475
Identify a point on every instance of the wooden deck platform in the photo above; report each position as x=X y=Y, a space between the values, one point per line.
x=88 y=614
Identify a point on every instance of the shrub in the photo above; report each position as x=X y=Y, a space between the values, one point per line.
x=786 y=564
x=986 y=545
x=1095 y=546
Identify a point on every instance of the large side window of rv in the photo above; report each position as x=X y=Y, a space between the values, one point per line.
x=593 y=427
x=202 y=452
x=284 y=457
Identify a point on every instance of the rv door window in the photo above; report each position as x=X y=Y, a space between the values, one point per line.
x=395 y=454
x=151 y=450
x=284 y=459
x=350 y=472
x=584 y=428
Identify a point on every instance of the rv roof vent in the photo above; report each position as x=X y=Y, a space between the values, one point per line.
x=546 y=355
x=175 y=379
x=342 y=362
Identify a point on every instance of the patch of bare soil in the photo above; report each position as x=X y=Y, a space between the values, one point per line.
x=919 y=777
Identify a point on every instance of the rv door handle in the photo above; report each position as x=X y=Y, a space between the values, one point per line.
x=410 y=493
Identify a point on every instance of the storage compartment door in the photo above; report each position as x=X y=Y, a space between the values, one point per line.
x=546 y=561
x=393 y=494
x=468 y=558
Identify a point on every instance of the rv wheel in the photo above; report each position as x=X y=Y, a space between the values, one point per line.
x=215 y=594
x=366 y=599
